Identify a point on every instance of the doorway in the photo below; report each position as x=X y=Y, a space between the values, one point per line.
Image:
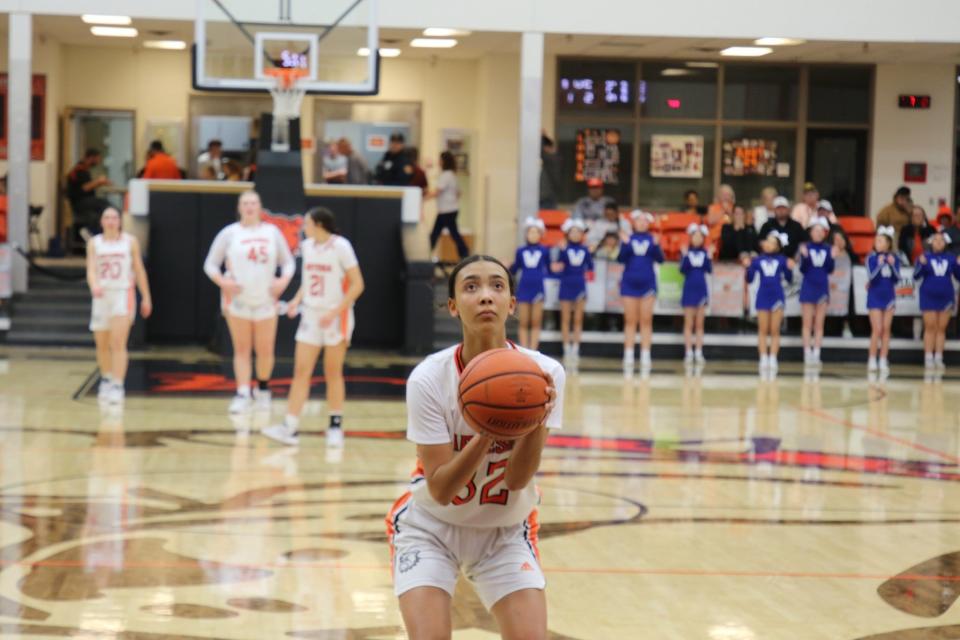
x=837 y=164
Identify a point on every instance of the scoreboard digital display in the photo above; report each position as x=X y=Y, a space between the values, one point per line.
x=595 y=92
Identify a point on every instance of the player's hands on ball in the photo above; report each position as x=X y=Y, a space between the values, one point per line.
x=230 y=287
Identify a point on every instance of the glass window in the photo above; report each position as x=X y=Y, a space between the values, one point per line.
x=760 y=92
x=596 y=87
x=681 y=150
x=595 y=150
x=839 y=94
x=675 y=90
x=753 y=159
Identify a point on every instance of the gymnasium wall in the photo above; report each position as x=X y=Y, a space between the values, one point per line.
x=913 y=135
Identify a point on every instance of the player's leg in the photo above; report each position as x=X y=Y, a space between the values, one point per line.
x=104 y=362
x=887 y=330
x=943 y=321
x=689 y=314
x=807 y=312
x=763 y=330
x=566 y=309
x=333 y=357
x=523 y=330
x=876 y=334
x=578 y=309
x=630 y=317
x=776 y=318
x=819 y=320
x=522 y=615
x=929 y=336
x=119 y=358
x=426 y=613
x=646 y=305
x=241 y=334
x=304 y=362
x=536 y=323
x=701 y=318
x=264 y=345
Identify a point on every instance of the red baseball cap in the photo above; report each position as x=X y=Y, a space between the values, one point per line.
x=594 y=183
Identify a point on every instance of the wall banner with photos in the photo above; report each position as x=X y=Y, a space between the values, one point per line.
x=598 y=155
x=676 y=156
x=753 y=157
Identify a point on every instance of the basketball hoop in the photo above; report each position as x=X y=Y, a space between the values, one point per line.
x=287 y=98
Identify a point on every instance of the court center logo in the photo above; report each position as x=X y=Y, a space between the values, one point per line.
x=408 y=560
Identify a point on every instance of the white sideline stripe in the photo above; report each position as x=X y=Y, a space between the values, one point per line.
x=744 y=340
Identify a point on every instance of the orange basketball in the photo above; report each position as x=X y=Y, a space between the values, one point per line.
x=503 y=394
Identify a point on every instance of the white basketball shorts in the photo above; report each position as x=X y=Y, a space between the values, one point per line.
x=311 y=332
x=112 y=304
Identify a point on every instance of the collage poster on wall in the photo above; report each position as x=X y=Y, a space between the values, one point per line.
x=598 y=155
x=750 y=157
x=38 y=110
x=676 y=156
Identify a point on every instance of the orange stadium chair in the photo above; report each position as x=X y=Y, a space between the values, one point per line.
x=860 y=230
x=553 y=219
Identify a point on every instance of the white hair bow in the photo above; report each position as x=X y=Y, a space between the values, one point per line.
x=886 y=231
x=534 y=222
x=820 y=221
x=781 y=237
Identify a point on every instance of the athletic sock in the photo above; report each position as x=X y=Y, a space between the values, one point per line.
x=292 y=422
x=336 y=420
x=263 y=385
x=243 y=390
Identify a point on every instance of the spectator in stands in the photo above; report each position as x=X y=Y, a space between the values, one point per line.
x=764 y=211
x=806 y=210
x=160 y=165
x=838 y=237
x=914 y=235
x=82 y=193
x=419 y=177
x=357 y=170
x=949 y=228
x=591 y=207
x=691 y=203
x=211 y=159
x=722 y=210
x=738 y=240
x=335 y=165
x=897 y=213
x=784 y=224
x=394 y=169
x=448 y=205
x=232 y=171
x=549 y=173
x=206 y=173
x=612 y=222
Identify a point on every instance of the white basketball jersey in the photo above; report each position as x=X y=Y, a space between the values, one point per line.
x=325 y=269
x=114 y=260
x=251 y=256
x=434 y=418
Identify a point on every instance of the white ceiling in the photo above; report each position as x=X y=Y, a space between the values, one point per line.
x=71 y=30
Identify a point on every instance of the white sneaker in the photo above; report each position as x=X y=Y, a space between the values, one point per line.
x=698 y=356
x=764 y=362
x=688 y=357
x=103 y=390
x=884 y=365
x=938 y=361
x=115 y=394
x=335 y=438
x=872 y=365
x=262 y=399
x=816 y=357
x=928 y=361
x=645 y=360
x=772 y=364
x=240 y=404
x=282 y=434
x=808 y=356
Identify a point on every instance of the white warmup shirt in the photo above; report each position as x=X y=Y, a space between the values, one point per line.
x=434 y=418
x=325 y=269
x=448 y=192
x=114 y=260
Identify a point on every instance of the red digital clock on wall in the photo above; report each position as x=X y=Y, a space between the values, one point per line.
x=914 y=102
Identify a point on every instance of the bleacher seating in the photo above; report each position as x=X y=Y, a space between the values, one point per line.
x=861 y=231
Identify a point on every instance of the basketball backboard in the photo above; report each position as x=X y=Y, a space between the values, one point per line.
x=238 y=42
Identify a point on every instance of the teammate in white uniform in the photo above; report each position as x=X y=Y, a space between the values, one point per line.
x=331 y=283
x=114 y=264
x=251 y=250
x=472 y=504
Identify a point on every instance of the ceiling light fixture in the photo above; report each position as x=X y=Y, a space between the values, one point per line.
x=114 y=32
x=433 y=43
x=170 y=45
x=671 y=72
x=746 y=52
x=444 y=32
x=385 y=52
x=91 y=18
x=703 y=65
x=778 y=42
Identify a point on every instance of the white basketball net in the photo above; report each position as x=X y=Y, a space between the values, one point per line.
x=287 y=98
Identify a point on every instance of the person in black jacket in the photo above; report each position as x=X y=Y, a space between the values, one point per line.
x=783 y=223
x=738 y=238
x=915 y=233
x=395 y=169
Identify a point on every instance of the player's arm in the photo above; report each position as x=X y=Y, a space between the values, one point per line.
x=215 y=257
x=288 y=266
x=354 y=288
x=92 y=281
x=525 y=459
x=140 y=274
x=447 y=473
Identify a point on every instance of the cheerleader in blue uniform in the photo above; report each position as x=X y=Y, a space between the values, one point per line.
x=883 y=273
x=532 y=262
x=572 y=267
x=772 y=269
x=695 y=265
x=816 y=265
x=638 y=287
x=935 y=271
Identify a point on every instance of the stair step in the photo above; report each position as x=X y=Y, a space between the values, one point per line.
x=29 y=306
x=58 y=339
x=54 y=295
x=65 y=321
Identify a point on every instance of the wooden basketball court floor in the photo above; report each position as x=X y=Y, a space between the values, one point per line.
x=712 y=506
